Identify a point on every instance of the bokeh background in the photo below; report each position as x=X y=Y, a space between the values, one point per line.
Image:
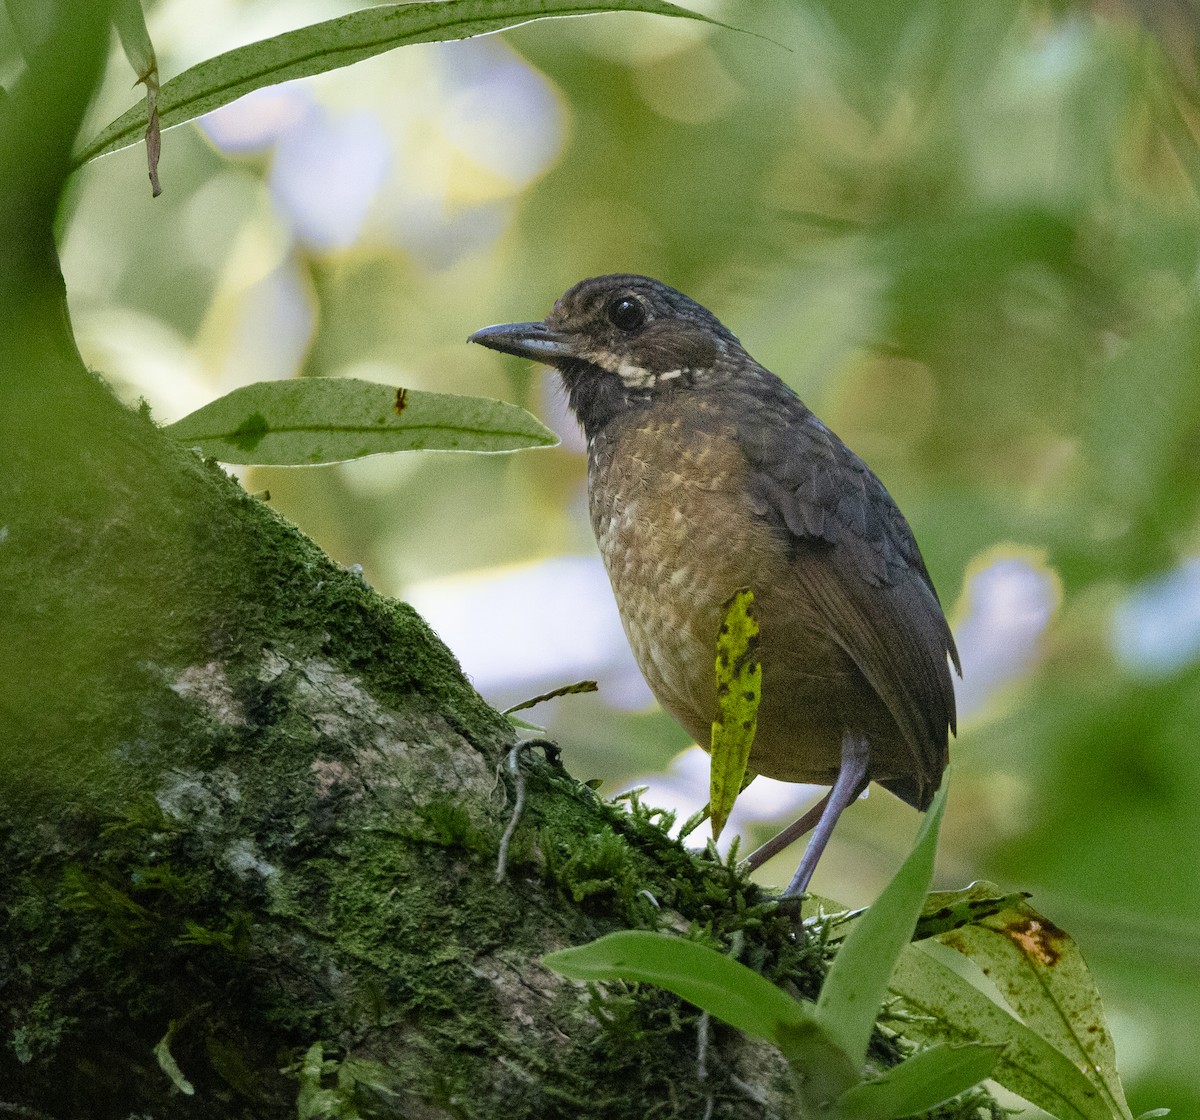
x=967 y=234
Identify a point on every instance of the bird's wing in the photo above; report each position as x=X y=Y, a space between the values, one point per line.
x=860 y=566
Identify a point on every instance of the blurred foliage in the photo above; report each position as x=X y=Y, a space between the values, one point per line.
x=966 y=233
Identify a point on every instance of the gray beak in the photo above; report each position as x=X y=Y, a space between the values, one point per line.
x=525 y=340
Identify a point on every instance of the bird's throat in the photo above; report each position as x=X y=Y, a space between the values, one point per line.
x=597 y=397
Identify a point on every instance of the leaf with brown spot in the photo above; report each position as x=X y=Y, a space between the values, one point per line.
x=1041 y=973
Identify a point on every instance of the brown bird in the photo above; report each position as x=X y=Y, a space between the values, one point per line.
x=706 y=473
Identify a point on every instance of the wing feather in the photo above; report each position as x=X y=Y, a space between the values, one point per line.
x=857 y=561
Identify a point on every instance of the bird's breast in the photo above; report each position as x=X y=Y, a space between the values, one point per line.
x=661 y=500
x=667 y=496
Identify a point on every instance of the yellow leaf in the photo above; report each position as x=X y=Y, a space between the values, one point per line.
x=739 y=690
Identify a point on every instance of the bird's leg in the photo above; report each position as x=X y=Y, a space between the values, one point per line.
x=851 y=781
x=786 y=837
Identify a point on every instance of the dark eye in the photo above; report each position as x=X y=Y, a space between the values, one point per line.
x=626 y=313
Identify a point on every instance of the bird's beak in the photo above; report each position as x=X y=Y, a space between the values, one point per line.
x=526 y=340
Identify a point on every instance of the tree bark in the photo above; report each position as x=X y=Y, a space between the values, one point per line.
x=250 y=810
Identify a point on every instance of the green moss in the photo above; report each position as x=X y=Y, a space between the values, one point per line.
x=196 y=831
x=450 y=825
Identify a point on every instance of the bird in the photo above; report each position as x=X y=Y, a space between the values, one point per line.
x=708 y=474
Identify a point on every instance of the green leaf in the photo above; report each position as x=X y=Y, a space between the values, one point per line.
x=314 y=1101
x=825 y=1071
x=945 y=1007
x=949 y=910
x=331 y=419
x=167 y=1063
x=1042 y=975
x=919 y=1083
x=739 y=690
x=340 y=42
x=858 y=976
x=724 y=988
x=710 y=980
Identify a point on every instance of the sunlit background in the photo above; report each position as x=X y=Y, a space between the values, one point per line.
x=965 y=233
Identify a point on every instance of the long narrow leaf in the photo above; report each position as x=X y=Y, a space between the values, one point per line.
x=710 y=980
x=167 y=1063
x=340 y=42
x=331 y=419
x=724 y=988
x=919 y=1083
x=739 y=690
x=858 y=977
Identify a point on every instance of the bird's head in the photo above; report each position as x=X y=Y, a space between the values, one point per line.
x=619 y=342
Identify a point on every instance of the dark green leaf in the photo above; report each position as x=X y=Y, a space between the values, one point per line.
x=331 y=419
x=341 y=42
x=948 y=910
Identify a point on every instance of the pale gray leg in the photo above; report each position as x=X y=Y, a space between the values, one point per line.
x=851 y=781
x=786 y=837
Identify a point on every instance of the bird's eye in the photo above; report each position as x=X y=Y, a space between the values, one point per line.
x=626 y=313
